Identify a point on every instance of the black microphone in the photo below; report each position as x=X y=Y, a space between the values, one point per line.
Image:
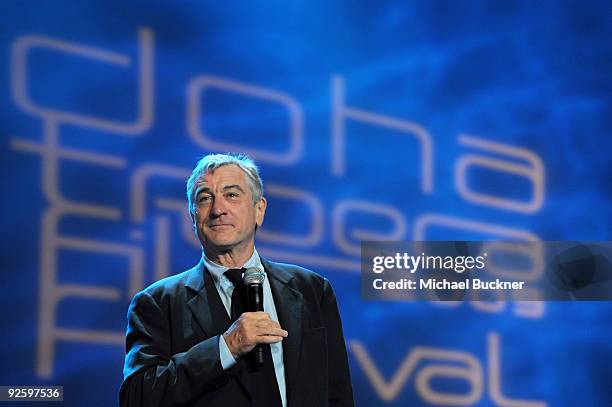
x=253 y=278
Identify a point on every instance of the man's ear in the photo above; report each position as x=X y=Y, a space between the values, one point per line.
x=260 y=209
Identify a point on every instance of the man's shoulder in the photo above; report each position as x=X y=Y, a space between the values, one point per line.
x=170 y=285
x=314 y=287
x=296 y=273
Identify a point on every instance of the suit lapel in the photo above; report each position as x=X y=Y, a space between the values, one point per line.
x=206 y=301
x=289 y=303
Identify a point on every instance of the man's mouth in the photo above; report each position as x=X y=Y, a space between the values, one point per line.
x=219 y=225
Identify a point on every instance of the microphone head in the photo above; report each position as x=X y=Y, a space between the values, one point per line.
x=253 y=276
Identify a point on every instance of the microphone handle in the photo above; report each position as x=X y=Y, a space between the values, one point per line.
x=255 y=299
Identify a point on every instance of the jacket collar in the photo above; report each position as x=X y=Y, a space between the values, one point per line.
x=201 y=283
x=195 y=277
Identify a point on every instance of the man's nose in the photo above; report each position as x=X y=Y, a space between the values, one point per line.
x=218 y=208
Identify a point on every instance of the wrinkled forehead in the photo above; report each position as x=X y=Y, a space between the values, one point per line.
x=222 y=177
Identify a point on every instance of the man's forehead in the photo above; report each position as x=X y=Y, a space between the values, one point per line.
x=221 y=177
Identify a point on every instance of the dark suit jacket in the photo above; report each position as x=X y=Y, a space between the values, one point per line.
x=172 y=343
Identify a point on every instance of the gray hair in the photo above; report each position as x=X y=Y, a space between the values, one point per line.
x=210 y=162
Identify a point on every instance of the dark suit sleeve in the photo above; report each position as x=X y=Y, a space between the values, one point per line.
x=339 y=387
x=152 y=375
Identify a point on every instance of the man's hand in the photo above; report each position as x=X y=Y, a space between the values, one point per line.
x=250 y=329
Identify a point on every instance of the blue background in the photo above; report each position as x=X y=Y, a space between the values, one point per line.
x=531 y=75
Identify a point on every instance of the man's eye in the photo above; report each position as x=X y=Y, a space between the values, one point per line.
x=203 y=199
x=233 y=195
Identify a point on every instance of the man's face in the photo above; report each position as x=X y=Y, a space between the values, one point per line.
x=225 y=215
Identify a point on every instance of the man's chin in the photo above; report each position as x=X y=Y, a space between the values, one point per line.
x=220 y=245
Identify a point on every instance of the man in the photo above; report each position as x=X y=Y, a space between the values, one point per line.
x=189 y=338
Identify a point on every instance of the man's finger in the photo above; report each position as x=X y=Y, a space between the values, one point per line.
x=267 y=324
x=267 y=339
x=259 y=315
x=273 y=332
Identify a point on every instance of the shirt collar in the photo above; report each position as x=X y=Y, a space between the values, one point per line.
x=217 y=270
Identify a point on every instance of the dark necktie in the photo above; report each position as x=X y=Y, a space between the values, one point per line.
x=239 y=294
x=260 y=380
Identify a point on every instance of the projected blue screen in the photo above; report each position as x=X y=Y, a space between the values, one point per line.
x=373 y=121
